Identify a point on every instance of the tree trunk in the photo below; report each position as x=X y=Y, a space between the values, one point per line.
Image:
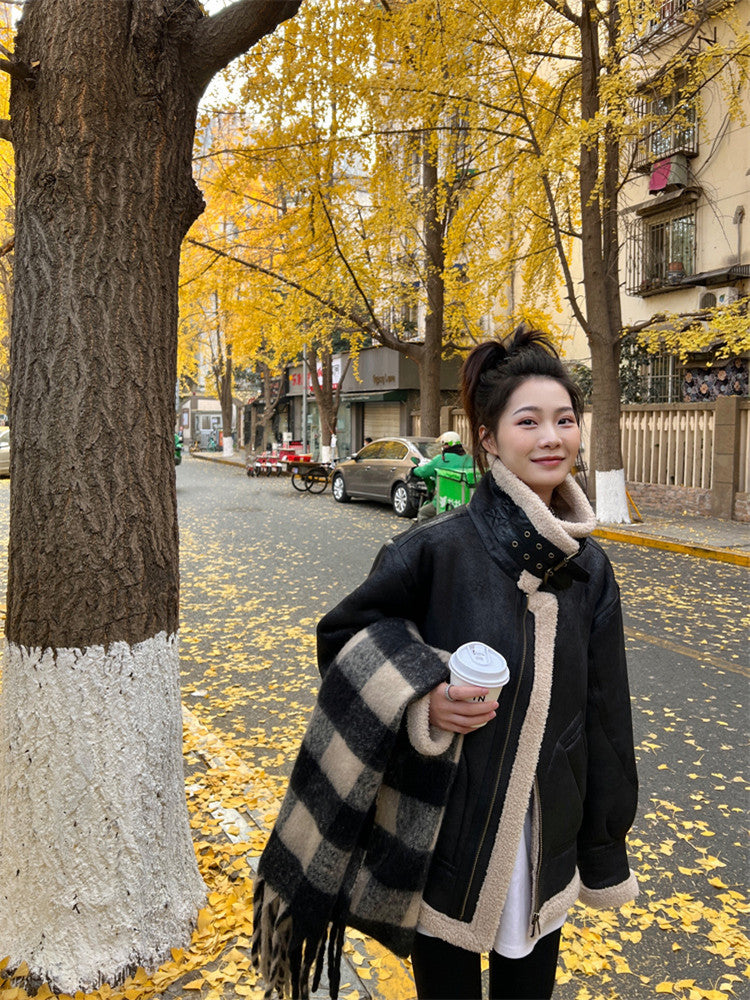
x=429 y=365
x=600 y=256
x=97 y=868
x=226 y=402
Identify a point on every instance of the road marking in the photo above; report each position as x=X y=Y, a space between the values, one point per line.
x=677 y=647
x=654 y=542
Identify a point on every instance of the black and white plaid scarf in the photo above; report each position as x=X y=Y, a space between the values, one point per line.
x=355 y=834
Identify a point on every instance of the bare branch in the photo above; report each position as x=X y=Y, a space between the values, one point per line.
x=6 y=131
x=561 y=7
x=219 y=39
x=8 y=247
x=329 y=304
x=347 y=265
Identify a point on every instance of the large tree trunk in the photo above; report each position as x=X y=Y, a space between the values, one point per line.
x=601 y=285
x=97 y=868
x=429 y=365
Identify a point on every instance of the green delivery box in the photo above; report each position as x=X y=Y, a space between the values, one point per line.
x=454 y=488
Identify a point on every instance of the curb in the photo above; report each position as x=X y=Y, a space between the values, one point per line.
x=240 y=463
x=656 y=542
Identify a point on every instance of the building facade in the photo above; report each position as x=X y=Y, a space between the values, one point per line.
x=684 y=212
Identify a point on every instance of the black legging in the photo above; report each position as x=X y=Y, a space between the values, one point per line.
x=444 y=972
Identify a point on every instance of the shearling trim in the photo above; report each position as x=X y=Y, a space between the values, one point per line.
x=559 y=904
x=611 y=897
x=428 y=740
x=480 y=933
x=578 y=521
x=529 y=583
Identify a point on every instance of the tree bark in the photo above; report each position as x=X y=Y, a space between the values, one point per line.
x=227 y=400
x=600 y=258
x=429 y=364
x=327 y=396
x=97 y=869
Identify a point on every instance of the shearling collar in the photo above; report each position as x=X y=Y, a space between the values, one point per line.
x=575 y=518
x=539 y=543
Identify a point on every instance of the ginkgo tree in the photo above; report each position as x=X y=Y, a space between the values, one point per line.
x=394 y=214
x=565 y=83
x=97 y=869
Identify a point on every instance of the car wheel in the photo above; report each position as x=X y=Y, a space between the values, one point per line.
x=403 y=505
x=338 y=488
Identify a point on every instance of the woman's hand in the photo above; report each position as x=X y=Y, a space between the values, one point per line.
x=460 y=715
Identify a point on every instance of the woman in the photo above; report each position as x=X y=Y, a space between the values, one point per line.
x=537 y=808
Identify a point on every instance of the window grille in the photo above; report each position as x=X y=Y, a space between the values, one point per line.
x=677 y=134
x=660 y=250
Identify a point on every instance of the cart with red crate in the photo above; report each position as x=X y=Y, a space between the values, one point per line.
x=277 y=461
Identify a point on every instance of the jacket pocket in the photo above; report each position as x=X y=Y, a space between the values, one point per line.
x=452 y=829
x=564 y=788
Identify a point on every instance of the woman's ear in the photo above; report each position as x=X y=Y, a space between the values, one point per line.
x=487 y=441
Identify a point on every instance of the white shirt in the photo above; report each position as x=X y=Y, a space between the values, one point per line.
x=512 y=939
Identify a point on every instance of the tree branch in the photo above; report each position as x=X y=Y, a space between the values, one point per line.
x=345 y=262
x=561 y=7
x=6 y=131
x=217 y=40
x=329 y=304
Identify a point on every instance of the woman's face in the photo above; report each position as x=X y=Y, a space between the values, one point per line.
x=537 y=436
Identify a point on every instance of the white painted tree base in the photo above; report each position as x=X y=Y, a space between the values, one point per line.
x=611 y=498
x=228 y=445
x=97 y=869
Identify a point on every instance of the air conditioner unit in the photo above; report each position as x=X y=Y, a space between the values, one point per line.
x=725 y=296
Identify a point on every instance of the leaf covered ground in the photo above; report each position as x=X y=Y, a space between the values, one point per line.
x=259 y=571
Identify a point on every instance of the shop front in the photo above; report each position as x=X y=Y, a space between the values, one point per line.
x=379 y=392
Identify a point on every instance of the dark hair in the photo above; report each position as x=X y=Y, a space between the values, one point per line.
x=495 y=369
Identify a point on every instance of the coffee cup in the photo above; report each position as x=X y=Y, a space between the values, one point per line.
x=481 y=665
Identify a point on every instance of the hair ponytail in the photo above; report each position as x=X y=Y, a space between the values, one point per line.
x=495 y=369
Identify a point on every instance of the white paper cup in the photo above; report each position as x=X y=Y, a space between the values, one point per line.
x=481 y=665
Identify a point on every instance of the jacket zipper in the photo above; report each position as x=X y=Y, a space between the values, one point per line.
x=538 y=871
x=500 y=766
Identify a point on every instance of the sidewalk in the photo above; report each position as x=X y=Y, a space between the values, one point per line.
x=689 y=534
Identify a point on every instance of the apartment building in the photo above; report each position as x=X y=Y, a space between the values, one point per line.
x=686 y=209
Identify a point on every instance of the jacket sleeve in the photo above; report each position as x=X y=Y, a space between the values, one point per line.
x=388 y=592
x=612 y=782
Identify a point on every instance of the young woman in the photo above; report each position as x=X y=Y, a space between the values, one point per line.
x=536 y=812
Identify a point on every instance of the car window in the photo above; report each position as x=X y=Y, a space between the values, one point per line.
x=370 y=451
x=395 y=450
x=428 y=448
x=4 y=437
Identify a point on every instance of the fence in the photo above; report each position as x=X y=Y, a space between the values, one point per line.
x=679 y=455
x=668 y=445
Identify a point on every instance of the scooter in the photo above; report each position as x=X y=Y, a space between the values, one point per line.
x=177 y=449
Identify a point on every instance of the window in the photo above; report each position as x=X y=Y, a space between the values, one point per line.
x=669 y=125
x=661 y=250
x=371 y=451
x=394 y=450
x=413 y=160
x=646 y=377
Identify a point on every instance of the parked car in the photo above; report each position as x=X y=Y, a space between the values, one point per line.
x=380 y=472
x=5 y=451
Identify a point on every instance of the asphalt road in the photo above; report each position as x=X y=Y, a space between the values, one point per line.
x=261 y=563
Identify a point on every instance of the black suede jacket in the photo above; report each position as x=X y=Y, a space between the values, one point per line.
x=562 y=738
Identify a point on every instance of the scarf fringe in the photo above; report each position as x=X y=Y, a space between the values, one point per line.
x=287 y=960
